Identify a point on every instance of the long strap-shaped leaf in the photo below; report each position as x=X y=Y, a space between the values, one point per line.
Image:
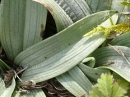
x=72 y=86
x=21 y=23
x=62 y=20
x=10 y=31
x=76 y=9
x=115 y=58
x=75 y=76
x=61 y=52
x=61 y=40
x=34 y=24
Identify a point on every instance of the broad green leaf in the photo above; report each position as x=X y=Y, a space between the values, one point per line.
x=11 y=36
x=76 y=9
x=75 y=75
x=99 y=5
x=115 y=58
x=62 y=20
x=31 y=93
x=7 y=92
x=64 y=13
x=92 y=73
x=34 y=23
x=122 y=40
x=21 y=24
x=62 y=51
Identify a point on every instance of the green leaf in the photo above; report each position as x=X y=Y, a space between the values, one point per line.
x=34 y=24
x=92 y=73
x=87 y=67
x=62 y=20
x=71 y=85
x=95 y=92
x=64 y=13
x=10 y=27
x=105 y=84
x=20 y=25
x=75 y=76
x=75 y=9
x=7 y=92
x=115 y=58
x=61 y=52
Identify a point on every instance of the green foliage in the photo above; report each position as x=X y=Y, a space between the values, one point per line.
x=33 y=60
x=107 y=86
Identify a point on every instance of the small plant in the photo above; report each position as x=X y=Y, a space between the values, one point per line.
x=107 y=86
